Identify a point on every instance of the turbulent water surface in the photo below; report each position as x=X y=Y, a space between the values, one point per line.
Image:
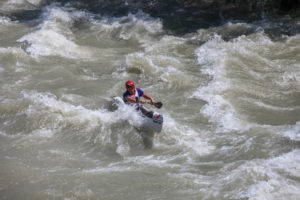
x=231 y=107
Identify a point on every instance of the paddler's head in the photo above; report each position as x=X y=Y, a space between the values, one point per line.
x=130 y=86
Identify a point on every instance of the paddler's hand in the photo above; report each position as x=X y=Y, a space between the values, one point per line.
x=142 y=101
x=152 y=101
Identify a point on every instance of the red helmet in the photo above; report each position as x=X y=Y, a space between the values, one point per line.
x=129 y=84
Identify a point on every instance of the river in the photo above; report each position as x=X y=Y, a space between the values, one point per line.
x=231 y=106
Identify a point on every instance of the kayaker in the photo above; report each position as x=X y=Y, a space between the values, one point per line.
x=132 y=93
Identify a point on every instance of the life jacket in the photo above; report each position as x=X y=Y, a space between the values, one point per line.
x=135 y=95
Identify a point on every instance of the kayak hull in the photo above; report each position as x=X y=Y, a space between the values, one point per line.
x=151 y=120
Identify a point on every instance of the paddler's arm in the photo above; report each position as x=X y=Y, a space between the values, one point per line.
x=130 y=99
x=149 y=97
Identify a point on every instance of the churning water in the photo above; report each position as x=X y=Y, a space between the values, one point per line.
x=231 y=108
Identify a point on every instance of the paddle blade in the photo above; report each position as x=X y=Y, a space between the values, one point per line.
x=158 y=104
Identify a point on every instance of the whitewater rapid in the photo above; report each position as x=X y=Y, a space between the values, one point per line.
x=231 y=108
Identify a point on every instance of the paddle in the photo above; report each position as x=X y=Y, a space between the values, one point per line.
x=157 y=104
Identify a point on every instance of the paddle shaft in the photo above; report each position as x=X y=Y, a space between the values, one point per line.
x=157 y=104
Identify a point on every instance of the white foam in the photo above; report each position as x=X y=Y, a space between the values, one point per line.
x=162 y=59
x=12 y=5
x=5 y=21
x=14 y=51
x=64 y=113
x=47 y=133
x=167 y=67
x=290 y=78
x=2 y=133
x=48 y=115
x=139 y=26
x=271 y=178
x=274 y=178
x=212 y=56
x=108 y=169
x=292 y=132
x=216 y=57
x=191 y=141
x=54 y=37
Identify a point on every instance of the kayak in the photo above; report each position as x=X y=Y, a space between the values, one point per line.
x=151 y=120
